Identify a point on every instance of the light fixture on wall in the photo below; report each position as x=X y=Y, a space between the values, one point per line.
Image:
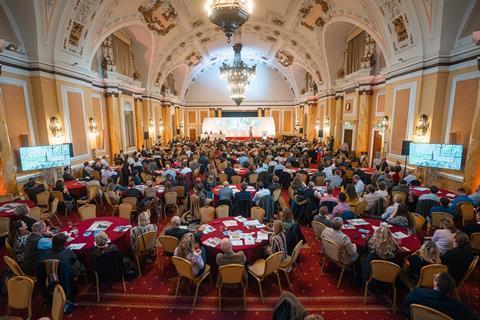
x=317 y=124
x=229 y=15
x=150 y=124
x=92 y=127
x=55 y=127
x=383 y=124
x=347 y=124
x=297 y=126
x=422 y=125
x=160 y=126
x=327 y=123
x=181 y=126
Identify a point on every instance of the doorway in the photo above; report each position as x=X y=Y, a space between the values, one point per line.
x=377 y=146
x=348 y=137
x=193 y=134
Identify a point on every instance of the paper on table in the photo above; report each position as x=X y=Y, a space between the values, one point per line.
x=240 y=218
x=76 y=246
x=450 y=195
x=212 y=242
x=348 y=226
x=254 y=222
x=262 y=235
x=183 y=227
x=406 y=249
x=230 y=223
x=421 y=188
x=399 y=235
x=208 y=229
x=237 y=242
x=99 y=225
x=249 y=240
x=358 y=222
x=122 y=228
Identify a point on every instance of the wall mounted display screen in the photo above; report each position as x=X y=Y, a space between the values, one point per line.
x=44 y=157
x=443 y=156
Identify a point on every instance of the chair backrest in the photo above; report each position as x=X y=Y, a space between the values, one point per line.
x=54 y=207
x=253 y=178
x=222 y=177
x=475 y=241
x=222 y=211
x=273 y=263
x=43 y=198
x=108 y=199
x=145 y=242
x=318 y=228
x=92 y=191
x=207 y=214
x=6 y=197
x=168 y=243
x=58 y=303
x=257 y=213
x=124 y=210
x=332 y=250
x=20 y=291
x=420 y=312
x=276 y=194
x=51 y=270
x=9 y=249
x=57 y=195
x=427 y=273
x=401 y=194
x=14 y=266
x=88 y=211
x=96 y=175
x=184 y=267
x=437 y=217
x=296 y=251
x=170 y=198
x=466 y=210
x=36 y=213
x=109 y=266
x=160 y=179
x=319 y=181
x=469 y=271
x=231 y=273
x=384 y=271
x=303 y=176
x=329 y=204
x=360 y=208
x=131 y=201
x=236 y=179
x=419 y=221
x=180 y=191
x=4 y=225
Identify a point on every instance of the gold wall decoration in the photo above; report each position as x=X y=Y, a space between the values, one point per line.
x=193 y=59
x=75 y=34
x=159 y=15
x=284 y=57
x=314 y=14
x=400 y=29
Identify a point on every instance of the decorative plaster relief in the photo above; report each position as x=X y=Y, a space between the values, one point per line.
x=159 y=15
x=284 y=57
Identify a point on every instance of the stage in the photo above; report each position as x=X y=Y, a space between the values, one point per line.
x=233 y=128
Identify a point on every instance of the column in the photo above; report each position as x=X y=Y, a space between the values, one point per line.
x=312 y=132
x=114 y=118
x=167 y=122
x=338 y=122
x=259 y=112
x=138 y=107
x=219 y=110
x=472 y=163
x=363 y=124
x=8 y=179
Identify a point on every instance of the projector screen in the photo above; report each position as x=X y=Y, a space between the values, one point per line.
x=443 y=156
x=44 y=157
x=240 y=127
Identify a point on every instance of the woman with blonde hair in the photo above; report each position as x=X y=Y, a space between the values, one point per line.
x=187 y=251
x=381 y=246
x=443 y=237
x=427 y=254
x=144 y=226
x=278 y=240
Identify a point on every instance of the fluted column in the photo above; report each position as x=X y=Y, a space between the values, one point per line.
x=114 y=120
x=363 y=126
x=338 y=122
x=167 y=122
x=8 y=179
x=472 y=163
x=312 y=117
x=139 y=121
x=219 y=111
x=259 y=112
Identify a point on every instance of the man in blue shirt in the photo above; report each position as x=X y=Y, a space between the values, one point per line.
x=242 y=159
x=169 y=171
x=225 y=193
x=475 y=197
x=461 y=197
x=443 y=208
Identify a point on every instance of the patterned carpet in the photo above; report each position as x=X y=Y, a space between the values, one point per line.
x=152 y=296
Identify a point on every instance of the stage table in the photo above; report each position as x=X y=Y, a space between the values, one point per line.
x=7 y=209
x=235 y=187
x=253 y=252
x=409 y=244
x=418 y=191
x=120 y=238
x=213 y=136
x=77 y=189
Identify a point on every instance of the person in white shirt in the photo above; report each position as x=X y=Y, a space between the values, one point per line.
x=260 y=193
x=335 y=234
x=410 y=177
x=391 y=209
x=382 y=189
x=104 y=161
x=279 y=166
x=262 y=167
x=359 y=185
x=430 y=196
x=107 y=173
x=329 y=171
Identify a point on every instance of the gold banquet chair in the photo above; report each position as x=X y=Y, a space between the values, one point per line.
x=88 y=211
x=58 y=303
x=333 y=253
x=420 y=312
x=222 y=211
x=4 y=226
x=169 y=244
x=287 y=264
x=231 y=274
x=318 y=228
x=170 y=199
x=257 y=213
x=20 y=290
x=425 y=280
x=16 y=269
x=184 y=270
x=145 y=243
x=125 y=211
x=262 y=268
x=383 y=271
x=207 y=214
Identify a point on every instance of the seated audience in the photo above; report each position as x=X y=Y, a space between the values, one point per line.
x=229 y=256
x=381 y=246
x=187 y=251
x=352 y=195
x=67 y=174
x=475 y=197
x=66 y=256
x=326 y=197
x=335 y=234
x=132 y=191
x=37 y=247
x=359 y=185
x=173 y=229
x=430 y=196
x=225 y=193
x=322 y=216
x=409 y=177
x=103 y=245
x=443 y=237
x=382 y=189
x=372 y=199
x=275 y=184
x=472 y=227
x=336 y=180
x=427 y=254
x=461 y=197
x=458 y=258
x=342 y=205
x=401 y=217
x=443 y=207
x=143 y=226
x=278 y=240
x=397 y=200
x=402 y=187
x=17 y=239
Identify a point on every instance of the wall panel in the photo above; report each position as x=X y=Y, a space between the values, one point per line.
x=16 y=114
x=77 y=123
x=399 y=129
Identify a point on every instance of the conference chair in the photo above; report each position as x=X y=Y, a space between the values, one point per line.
x=88 y=211
x=20 y=290
x=61 y=199
x=360 y=208
x=419 y=222
x=383 y=271
x=131 y=201
x=170 y=201
x=236 y=179
x=145 y=244
x=424 y=206
x=4 y=226
x=262 y=268
x=222 y=211
x=333 y=253
x=58 y=303
x=318 y=228
x=92 y=193
x=51 y=271
x=51 y=213
x=36 y=213
x=287 y=264
x=6 y=198
x=146 y=177
x=109 y=268
x=184 y=270
x=180 y=191
x=475 y=242
x=435 y=220
x=319 y=181
x=229 y=275
x=207 y=214
x=111 y=205
x=222 y=177
x=467 y=213
x=16 y=269
x=425 y=280
x=169 y=244
x=252 y=179
x=160 y=179
x=125 y=211
x=469 y=271
x=257 y=213
x=420 y=312
x=8 y=249
x=43 y=200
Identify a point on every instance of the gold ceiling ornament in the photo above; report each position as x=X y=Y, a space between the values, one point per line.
x=284 y=58
x=159 y=15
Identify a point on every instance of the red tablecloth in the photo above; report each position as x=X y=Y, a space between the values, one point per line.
x=412 y=242
x=252 y=252
x=237 y=186
x=76 y=188
x=418 y=191
x=9 y=213
x=368 y=171
x=120 y=239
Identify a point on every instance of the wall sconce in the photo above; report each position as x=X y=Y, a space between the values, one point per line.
x=55 y=127
x=150 y=124
x=422 y=125
x=383 y=124
x=347 y=123
x=92 y=127
x=297 y=126
x=161 y=127
x=327 y=123
x=317 y=124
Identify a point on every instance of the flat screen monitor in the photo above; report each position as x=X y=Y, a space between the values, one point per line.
x=443 y=156
x=44 y=157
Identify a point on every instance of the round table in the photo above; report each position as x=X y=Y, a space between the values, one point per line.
x=253 y=252
x=409 y=244
x=418 y=191
x=234 y=187
x=120 y=238
x=7 y=209
x=77 y=189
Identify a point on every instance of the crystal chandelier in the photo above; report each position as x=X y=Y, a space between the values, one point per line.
x=229 y=15
x=238 y=75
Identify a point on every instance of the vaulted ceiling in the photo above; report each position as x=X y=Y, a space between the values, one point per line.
x=289 y=36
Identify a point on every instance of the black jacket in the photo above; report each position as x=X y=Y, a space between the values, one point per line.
x=457 y=260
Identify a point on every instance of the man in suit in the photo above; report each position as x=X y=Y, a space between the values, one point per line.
x=440 y=298
x=459 y=258
x=174 y=229
x=244 y=194
x=230 y=172
x=229 y=256
x=225 y=193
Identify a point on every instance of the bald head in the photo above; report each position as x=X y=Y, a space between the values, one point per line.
x=175 y=221
x=226 y=245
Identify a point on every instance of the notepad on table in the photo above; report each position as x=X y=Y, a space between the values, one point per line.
x=399 y=235
x=76 y=246
x=236 y=242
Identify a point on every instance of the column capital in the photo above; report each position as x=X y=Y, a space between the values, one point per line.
x=110 y=94
x=365 y=92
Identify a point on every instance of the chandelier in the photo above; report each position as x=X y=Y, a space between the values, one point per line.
x=229 y=15
x=238 y=75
